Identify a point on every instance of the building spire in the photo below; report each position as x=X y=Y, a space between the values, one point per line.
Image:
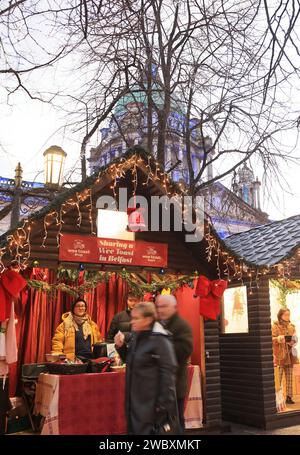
x=244 y=186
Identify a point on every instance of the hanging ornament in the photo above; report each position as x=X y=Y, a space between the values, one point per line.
x=35 y=263
x=162 y=271
x=81 y=267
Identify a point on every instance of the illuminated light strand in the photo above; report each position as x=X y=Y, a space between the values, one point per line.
x=79 y=219
x=250 y=283
x=46 y=223
x=227 y=270
x=135 y=178
x=218 y=262
x=59 y=223
x=26 y=258
x=149 y=173
x=257 y=278
x=241 y=271
x=91 y=212
x=23 y=242
x=2 y=266
x=10 y=239
x=156 y=171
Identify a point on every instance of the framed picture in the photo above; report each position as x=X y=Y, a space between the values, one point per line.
x=234 y=317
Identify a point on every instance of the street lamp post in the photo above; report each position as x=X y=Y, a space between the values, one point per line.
x=54 y=166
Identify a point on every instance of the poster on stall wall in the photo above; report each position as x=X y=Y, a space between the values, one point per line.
x=97 y=250
x=235 y=310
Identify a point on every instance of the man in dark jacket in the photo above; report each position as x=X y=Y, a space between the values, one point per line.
x=166 y=306
x=121 y=321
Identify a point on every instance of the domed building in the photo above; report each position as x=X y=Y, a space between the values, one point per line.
x=128 y=127
x=231 y=210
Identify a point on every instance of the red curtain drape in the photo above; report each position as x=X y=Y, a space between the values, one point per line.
x=107 y=299
x=41 y=314
x=188 y=308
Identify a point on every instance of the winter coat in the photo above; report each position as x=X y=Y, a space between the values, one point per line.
x=64 y=342
x=121 y=321
x=283 y=352
x=150 y=379
x=183 y=343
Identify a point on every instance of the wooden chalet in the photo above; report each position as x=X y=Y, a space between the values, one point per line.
x=35 y=244
x=248 y=383
x=237 y=371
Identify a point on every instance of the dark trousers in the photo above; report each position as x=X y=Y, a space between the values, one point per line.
x=180 y=405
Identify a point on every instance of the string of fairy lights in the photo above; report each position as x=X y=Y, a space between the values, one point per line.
x=18 y=248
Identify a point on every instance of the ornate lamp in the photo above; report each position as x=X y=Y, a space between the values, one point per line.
x=54 y=166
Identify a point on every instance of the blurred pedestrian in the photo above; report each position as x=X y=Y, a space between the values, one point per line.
x=150 y=373
x=166 y=306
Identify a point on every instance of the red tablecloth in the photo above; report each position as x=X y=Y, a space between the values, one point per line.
x=94 y=403
x=82 y=403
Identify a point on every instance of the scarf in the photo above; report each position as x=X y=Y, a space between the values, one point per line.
x=284 y=322
x=284 y=325
x=76 y=321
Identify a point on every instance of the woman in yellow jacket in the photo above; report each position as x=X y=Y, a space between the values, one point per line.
x=284 y=338
x=77 y=334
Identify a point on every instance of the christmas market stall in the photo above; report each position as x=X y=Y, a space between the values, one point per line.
x=79 y=246
x=260 y=326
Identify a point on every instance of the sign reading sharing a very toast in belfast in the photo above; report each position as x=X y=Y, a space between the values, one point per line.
x=79 y=248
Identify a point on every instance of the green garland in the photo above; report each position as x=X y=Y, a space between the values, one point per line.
x=284 y=290
x=43 y=286
x=92 y=279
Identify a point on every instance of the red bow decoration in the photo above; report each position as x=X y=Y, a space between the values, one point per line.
x=210 y=293
x=148 y=297
x=11 y=284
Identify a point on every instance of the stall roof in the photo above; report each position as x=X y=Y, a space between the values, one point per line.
x=37 y=237
x=268 y=244
x=258 y=247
